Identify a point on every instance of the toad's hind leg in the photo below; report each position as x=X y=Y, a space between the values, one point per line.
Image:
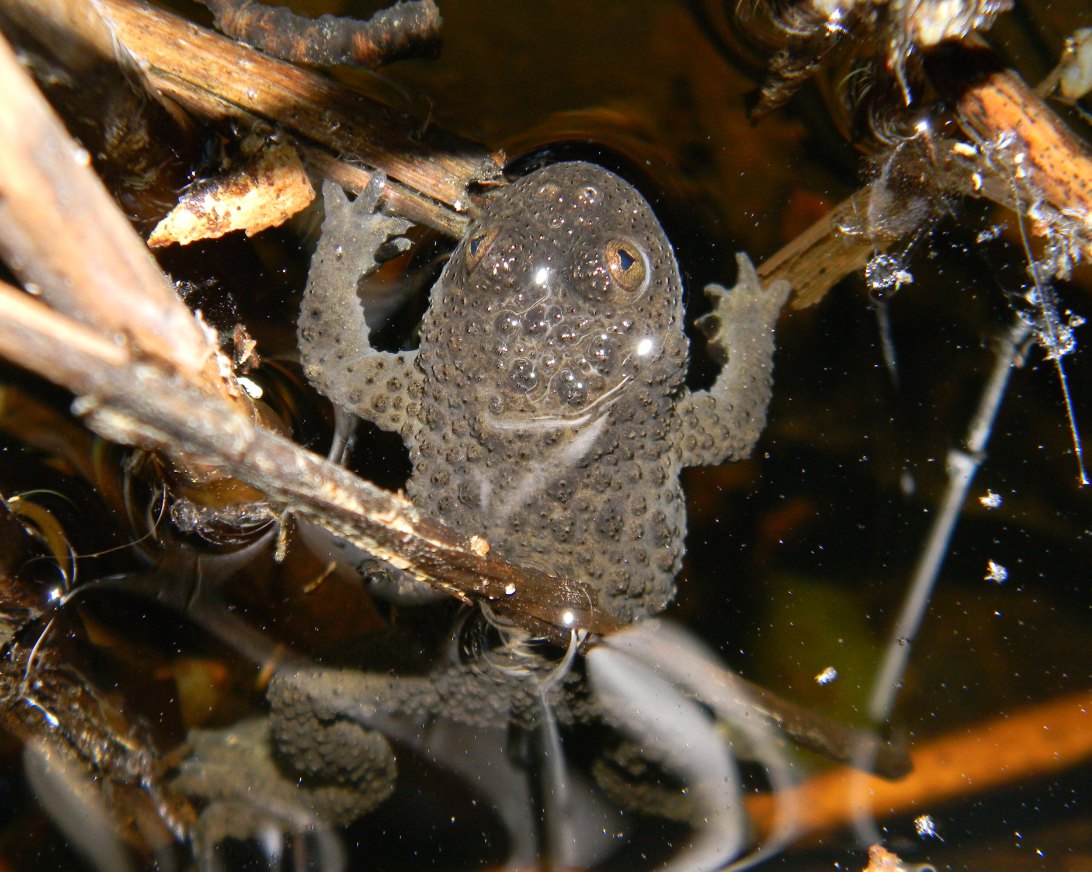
x=724 y=422
x=337 y=356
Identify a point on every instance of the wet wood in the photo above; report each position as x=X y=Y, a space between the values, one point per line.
x=823 y=255
x=264 y=192
x=216 y=78
x=403 y=29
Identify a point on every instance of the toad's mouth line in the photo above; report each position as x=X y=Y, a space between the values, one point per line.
x=577 y=418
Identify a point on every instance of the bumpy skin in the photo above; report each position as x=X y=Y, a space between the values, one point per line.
x=544 y=410
x=549 y=387
x=545 y=407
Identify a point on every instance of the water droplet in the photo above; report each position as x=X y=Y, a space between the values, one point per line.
x=884 y=272
x=601 y=352
x=507 y=322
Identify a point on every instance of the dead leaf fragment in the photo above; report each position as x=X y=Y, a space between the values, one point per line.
x=264 y=192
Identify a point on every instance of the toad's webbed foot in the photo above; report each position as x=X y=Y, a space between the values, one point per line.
x=348 y=767
x=724 y=422
x=337 y=356
x=248 y=796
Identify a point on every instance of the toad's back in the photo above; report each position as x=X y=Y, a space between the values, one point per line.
x=553 y=357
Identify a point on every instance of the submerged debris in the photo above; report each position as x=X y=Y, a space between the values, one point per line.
x=812 y=30
x=996 y=573
x=990 y=500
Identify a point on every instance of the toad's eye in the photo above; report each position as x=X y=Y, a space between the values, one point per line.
x=627 y=265
x=477 y=246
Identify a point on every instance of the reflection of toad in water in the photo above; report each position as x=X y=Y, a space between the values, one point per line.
x=544 y=410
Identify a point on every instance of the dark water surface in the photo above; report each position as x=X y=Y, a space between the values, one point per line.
x=797 y=559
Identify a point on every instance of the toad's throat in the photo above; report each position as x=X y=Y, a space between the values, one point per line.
x=500 y=505
x=565 y=420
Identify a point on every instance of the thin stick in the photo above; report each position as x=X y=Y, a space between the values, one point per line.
x=137 y=403
x=400 y=30
x=963 y=463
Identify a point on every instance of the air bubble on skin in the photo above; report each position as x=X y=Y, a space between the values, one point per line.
x=571 y=389
x=601 y=352
x=523 y=376
x=567 y=335
x=549 y=361
x=589 y=196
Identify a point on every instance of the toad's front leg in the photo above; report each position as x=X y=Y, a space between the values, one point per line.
x=337 y=355
x=724 y=422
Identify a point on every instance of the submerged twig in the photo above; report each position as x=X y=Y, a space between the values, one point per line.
x=992 y=103
x=401 y=30
x=963 y=463
x=1019 y=745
